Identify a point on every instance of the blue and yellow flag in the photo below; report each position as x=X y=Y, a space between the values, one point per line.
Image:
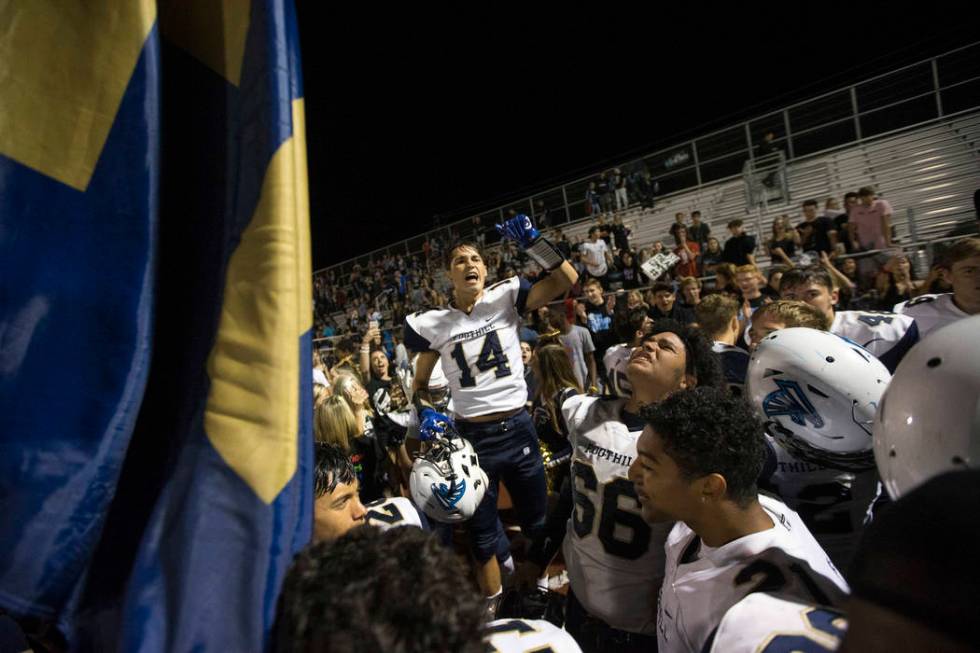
x=155 y=317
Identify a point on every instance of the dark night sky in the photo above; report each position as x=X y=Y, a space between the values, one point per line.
x=417 y=111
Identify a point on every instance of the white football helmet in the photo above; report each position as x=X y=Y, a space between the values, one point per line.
x=447 y=481
x=818 y=393
x=929 y=419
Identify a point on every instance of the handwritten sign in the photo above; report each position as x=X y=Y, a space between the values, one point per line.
x=657 y=264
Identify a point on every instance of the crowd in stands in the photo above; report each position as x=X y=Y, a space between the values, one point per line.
x=834 y=237
x=670 y=357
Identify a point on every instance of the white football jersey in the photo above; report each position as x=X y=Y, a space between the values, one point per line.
x=764 y=622
x=833 y=504
x=734 y=365
x=702 y=583
x=886 y=335
x=616 y=359
x=480 y=352
x=931 y=312
x=526 y=636
x=615 y=560
x=392 y=512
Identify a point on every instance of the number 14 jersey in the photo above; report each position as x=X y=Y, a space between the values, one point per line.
x=480 y=351
x=615 y=560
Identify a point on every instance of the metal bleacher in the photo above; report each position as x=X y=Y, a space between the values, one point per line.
x=928 y=174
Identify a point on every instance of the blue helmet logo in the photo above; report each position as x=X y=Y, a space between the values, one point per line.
x=449 y=496
x=790 y=401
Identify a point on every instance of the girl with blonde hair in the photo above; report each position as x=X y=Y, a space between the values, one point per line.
x=334 y=422
x=366 y=453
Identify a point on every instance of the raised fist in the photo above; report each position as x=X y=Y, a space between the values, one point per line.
x=519 y=229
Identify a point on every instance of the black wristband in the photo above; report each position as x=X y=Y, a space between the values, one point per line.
x=545 y=254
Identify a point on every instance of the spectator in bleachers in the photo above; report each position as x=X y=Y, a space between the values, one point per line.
x=620 y=234
x=560 y=240
x=633 y=277
x=711 y=256
x=895 y=283
x=785 y=239
x=634 y=299
x=687 y=251
x=740 y=247
x=579 y=348
x=678 y=222
x=541 y=320
x=817 y=233
x=556 y=382
x=530 y=378
x=605 y=189
x=832 y=209
x=725 y=280
x=599 y=317
x=619 y=186
x=690 y=288
x=646 y=189
x=747 y=278
x=698 y=231
x=771 y=289
x=604 y=233
x=665 y=305
x=319 y=371
x=766 y=147
x=870 y=222
x=592 y=206
x=596 y=255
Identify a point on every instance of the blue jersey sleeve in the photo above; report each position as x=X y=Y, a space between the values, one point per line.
x=893 y=356
x=414 y=341
x=523 y=289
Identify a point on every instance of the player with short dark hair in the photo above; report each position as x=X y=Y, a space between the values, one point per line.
x=697 y=462
x=614 y=559
x=476 y=340
x=371 y=590
x=336 y=505
x=888 y=336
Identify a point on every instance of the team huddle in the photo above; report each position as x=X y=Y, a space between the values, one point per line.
x=713 y=499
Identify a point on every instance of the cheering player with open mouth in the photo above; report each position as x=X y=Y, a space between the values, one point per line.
x=476 y=340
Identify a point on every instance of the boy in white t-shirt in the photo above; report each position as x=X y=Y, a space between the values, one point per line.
x=596 y=255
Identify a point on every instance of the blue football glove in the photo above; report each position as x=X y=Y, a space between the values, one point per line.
x=432 y=424
x=520 y=229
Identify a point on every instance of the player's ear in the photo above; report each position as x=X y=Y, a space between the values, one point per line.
x=714 y=487
x=689 y=381
x=834 y=296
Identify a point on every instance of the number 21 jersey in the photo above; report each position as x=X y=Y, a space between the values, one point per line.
x=480 y=351
x=615 y=559
x=701 y=583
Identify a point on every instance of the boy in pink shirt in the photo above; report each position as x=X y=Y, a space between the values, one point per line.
x=870 y=222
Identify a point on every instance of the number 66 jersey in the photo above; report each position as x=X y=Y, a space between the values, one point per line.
x=615 y=560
